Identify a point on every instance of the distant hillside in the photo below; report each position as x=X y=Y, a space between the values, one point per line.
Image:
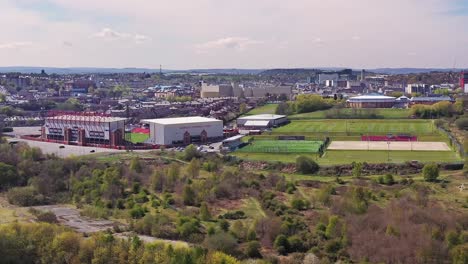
x=263 y=72
x=411 y=70
x=90 y=70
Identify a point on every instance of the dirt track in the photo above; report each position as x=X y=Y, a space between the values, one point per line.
x=379 y=145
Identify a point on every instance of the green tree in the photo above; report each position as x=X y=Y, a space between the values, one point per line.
x=222 y=241
x=204 y=212
x=281 y=244
x=8 y=176
x=306 y=165
x=190 y=152
x=430 y=172
x=332 y=229
x=306 y=103
x=135 y=165
x=357 y=169
x=189 y=196
x=193 y=168
x=224 y=225
x=252 y=249
x=388 y=179
x=459 y=254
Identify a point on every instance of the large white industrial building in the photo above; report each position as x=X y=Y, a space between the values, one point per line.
x=184 y=130
x=84 y=129
x=261 y=121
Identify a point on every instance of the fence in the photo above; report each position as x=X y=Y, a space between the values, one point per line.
x=453 y=142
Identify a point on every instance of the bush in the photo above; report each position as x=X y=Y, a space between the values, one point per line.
x=8 y=176
x=281 y=244
x=430 y=172
x=306 y=165
x=462 y=123
x=25 y=196
x=233 y=215
x=299 y=204
x=253 y=249
x=224 y=242
x=42 y=216
x=137 y=212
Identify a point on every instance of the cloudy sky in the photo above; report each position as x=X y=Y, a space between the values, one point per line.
x=183 y=34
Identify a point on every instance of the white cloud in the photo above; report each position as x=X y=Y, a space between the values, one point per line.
x=15 y=45
x=187 y=30
x=110 y=34
x=236 y=43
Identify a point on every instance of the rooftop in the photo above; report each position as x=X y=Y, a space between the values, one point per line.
x=234 y=138
x=262 y=117
x=101 y=119
x=372 y=97
x=180 y=120
x=432 y=99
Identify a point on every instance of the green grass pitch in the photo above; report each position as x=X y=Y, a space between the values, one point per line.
x=359 y=126
x=136 y=137
x=282 y=146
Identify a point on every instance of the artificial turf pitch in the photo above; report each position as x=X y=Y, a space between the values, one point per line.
x=282 y=146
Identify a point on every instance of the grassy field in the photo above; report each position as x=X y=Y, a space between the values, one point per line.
x=266 y=109
x=381 y=113
x=337 y=157
x=282 y=146
x=358 y=126
x=137 y=137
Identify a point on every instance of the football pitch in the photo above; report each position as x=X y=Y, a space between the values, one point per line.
x=359 y=126
x=136 y=137
x=282 y=146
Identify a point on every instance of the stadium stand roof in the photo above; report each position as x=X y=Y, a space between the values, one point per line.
x=101 y=119
x=262 y=117
x=257 y=123
x=179 y=120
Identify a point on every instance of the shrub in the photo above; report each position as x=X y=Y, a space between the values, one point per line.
x=430 y=172
x=189 y=196
x=8 y=176
x=233 y=215
x=137 y=212
x=299 y=204
x=224 y=242
x=190 y=152
x=281 y=244
x=204 y=212
x=306 y=165
x=462 y=123
x=253 y=249
x=25 y=196
x=42 y=216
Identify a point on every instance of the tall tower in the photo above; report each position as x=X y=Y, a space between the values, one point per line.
x=363 y=75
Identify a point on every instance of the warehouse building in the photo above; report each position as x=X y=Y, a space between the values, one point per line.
x=84 y=130
x=184 y=130
x=261 y=121
x=371 y=101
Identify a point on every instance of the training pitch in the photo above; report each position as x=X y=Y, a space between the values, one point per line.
x=383 y=145
x=282 y=146
x=359 y=126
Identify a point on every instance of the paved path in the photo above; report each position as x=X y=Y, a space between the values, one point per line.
x=394 y=145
